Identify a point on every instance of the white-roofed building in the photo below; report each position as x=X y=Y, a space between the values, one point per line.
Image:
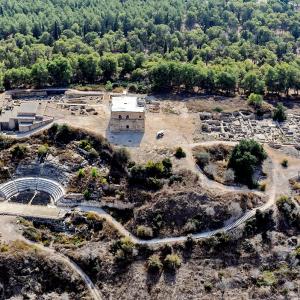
x=127 y=114
x=23 y=118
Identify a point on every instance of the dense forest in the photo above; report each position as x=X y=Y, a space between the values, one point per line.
x=217 y=46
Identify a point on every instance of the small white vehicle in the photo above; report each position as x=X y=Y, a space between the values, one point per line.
x=160 y=134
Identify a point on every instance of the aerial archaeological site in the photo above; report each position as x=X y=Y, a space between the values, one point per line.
x=149 y=150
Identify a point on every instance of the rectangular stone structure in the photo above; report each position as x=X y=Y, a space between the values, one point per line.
x=127 y=114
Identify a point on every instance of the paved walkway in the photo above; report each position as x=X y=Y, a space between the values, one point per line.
x=278 y=185
x=21 y=210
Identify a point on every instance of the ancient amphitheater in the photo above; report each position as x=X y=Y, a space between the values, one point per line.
x=32 y=184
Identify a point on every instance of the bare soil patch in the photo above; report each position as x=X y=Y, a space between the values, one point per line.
x=217 y=103
x=213 y=161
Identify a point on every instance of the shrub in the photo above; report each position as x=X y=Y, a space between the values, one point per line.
x=92 y=216
x=154 y=264
x=202 y=159
x=279 y=113
x=93 y=154
x=108 y=86
x=167 y=167
x=255 y=100
x=85 y=145
x=64 y=134
x=179 y=153
x=127 y=245
x=261 y=222
x=172 y=262
x=87 y=194
x=43 y=150
x=218 y=109
x=283 y=200
x=53 y=130
x=285 y=163
x=154 y=169
x=287 y=208
x=150 y=174
x=191 y=226
x=94 y=172
x=123 y=249
x=131 y=164
x=4 y=248
x=32 y=234
x=267 y=278
x=153 y=183
x=132 y=88
x=144 y=232
x=190 y=242
x=166 y=250
x=208 y=286
x=120 y=158
x=103 y=180
x=81 y=173
x=175 y=178
x=18 y=151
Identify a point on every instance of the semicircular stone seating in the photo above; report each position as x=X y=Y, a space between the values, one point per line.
x=51 y=187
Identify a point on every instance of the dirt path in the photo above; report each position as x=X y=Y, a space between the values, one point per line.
x=279 y=184
x=205 y=181
x=23 y=210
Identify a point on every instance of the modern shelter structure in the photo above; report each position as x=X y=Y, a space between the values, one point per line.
x=23 y=117
x=127 y=114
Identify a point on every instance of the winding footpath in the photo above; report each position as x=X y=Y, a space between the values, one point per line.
x=93 y=289
x=278 y=184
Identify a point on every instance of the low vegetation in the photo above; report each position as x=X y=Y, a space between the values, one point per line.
x=279 y=113
x=213 y=161
x=151 y=175
x=209 y=266
x=179 y=153
x=172 y=262
x=18 y=151
x=123 y=250
x=144 y=232
x=285 y=163
x=154 y=263
x=255 y=100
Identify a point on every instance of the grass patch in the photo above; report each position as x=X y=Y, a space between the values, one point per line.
x=267 y=278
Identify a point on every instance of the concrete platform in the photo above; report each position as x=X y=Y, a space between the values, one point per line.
x=14 y=209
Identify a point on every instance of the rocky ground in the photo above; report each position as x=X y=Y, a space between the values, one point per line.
x=186 y=207
x=254 y=262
